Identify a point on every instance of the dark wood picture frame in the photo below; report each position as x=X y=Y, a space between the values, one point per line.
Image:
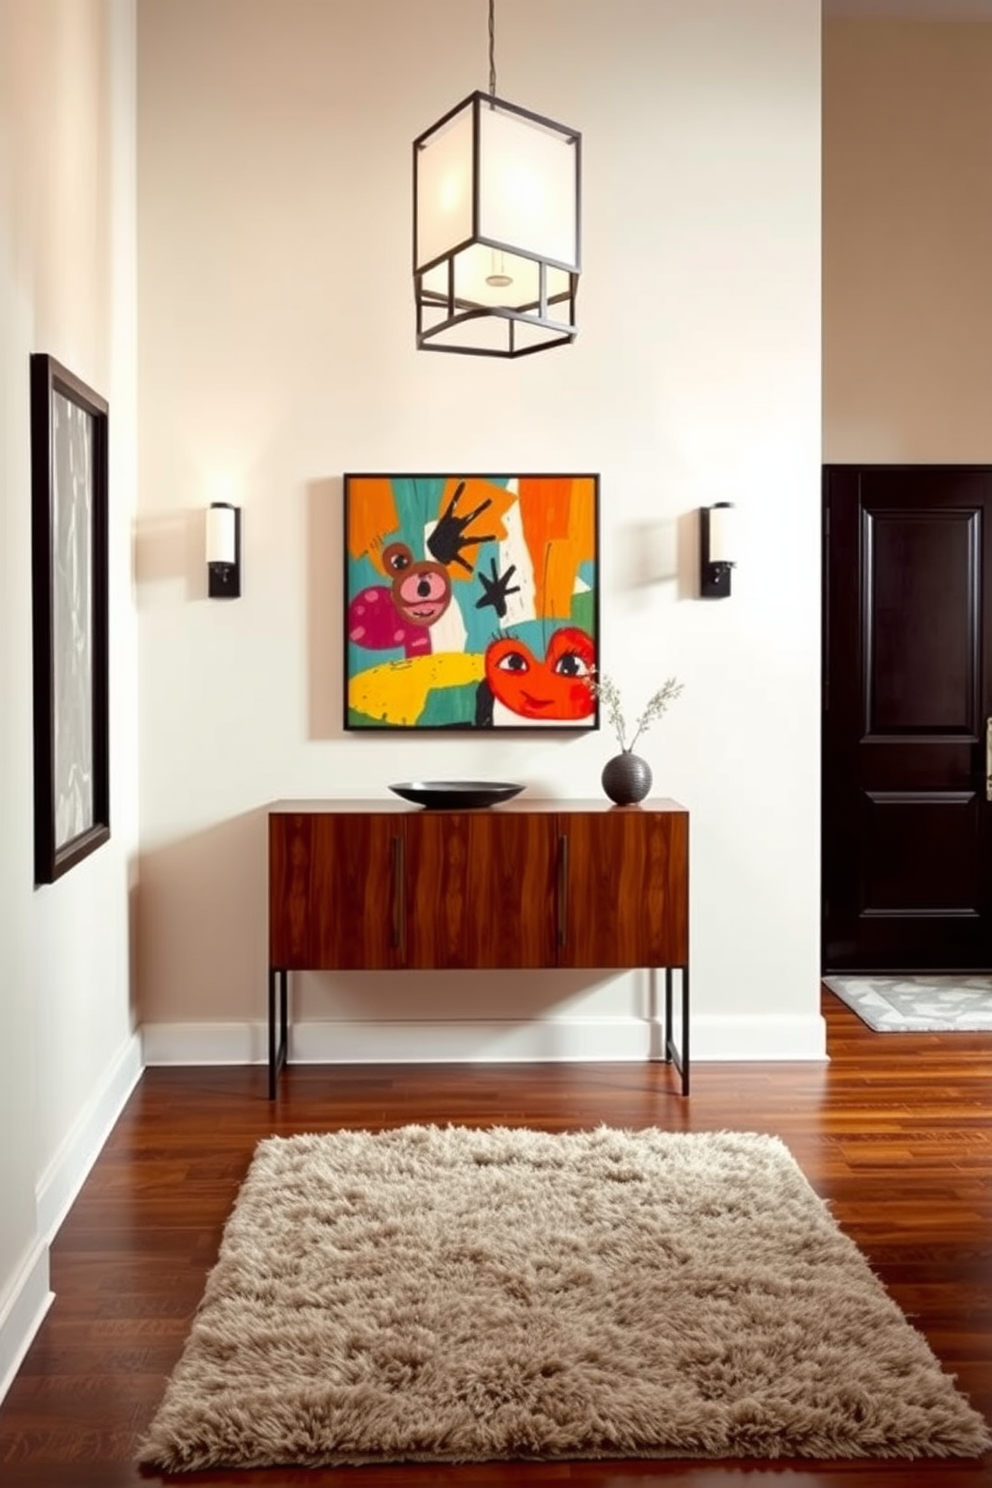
x=69 y=580
x=471 y=601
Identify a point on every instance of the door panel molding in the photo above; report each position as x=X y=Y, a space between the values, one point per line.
x=903 y=544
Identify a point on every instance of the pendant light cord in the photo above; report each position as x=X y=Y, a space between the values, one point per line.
x=492 y=48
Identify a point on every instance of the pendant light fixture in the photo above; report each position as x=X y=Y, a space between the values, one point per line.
x=496 y=198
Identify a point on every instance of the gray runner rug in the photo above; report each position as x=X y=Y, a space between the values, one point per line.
x=918 y=1004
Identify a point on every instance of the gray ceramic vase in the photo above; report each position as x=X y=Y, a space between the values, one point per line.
x=626 y=778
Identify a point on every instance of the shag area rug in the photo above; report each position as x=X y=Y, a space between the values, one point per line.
x=448 y=1294
x=918 y=1004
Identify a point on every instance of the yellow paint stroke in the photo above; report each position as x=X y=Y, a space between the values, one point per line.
x=371 y=515
x=559 y=523
x=488 y=523
x=396 y=691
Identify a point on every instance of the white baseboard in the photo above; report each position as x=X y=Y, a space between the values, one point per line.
x=204 y=1043
x=28 y=1300
x=65 y=1174
x=723 y=1040
x=327 y=1041
x=30 y=1295
x=469 y=1042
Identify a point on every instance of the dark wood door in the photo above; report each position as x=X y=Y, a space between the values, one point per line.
x=907 y=873
x=480 y=889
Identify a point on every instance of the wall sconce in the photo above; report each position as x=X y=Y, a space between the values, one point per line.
x=496 y=198
x=223 y=550
x=716 y=548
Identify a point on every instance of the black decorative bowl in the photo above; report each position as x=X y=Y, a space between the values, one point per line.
x=448 y=795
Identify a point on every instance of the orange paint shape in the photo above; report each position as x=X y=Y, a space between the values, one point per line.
x=559 y=523
x=372 y=516
x=561 y=565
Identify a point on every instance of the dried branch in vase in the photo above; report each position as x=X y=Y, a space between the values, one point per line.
x=608 y=693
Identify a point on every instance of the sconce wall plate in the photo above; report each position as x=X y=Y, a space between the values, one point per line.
x=715 y=550
x=223 y=551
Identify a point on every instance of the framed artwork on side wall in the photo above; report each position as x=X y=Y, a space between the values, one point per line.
x=472 y=601
x=69 y=454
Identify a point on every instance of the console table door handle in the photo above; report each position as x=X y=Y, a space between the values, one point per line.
x=988 y=759
x=562 y=888
x=399 y=895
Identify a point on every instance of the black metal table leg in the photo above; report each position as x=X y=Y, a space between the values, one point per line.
x=668 y=1015
x=278 y=1049
x=673 y=1054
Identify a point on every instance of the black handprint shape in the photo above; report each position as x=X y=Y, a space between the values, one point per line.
x=447 y=540
x=497 y=588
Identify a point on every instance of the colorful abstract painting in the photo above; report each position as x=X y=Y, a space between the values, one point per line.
x=472 y=601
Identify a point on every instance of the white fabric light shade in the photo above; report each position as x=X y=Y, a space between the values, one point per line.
x=221 y=534
x=722 y=533
x=500 y=243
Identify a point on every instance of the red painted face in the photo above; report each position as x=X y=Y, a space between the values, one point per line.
x=557 y=687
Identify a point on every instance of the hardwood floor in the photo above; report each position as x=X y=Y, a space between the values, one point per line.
x=896 y=1132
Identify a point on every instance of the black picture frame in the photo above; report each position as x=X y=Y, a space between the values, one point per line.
x=69 y=584
x=471 y=601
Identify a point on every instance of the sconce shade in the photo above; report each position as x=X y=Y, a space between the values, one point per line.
x=722 y=546
x=716 y=549
x=223 y=550
x=496 y=203
x=221 y=534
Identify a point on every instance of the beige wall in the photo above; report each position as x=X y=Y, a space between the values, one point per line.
x=276 y=352
x=67 y=287
x=907 y=242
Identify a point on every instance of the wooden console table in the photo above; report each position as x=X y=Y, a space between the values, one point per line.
x=382 y=885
